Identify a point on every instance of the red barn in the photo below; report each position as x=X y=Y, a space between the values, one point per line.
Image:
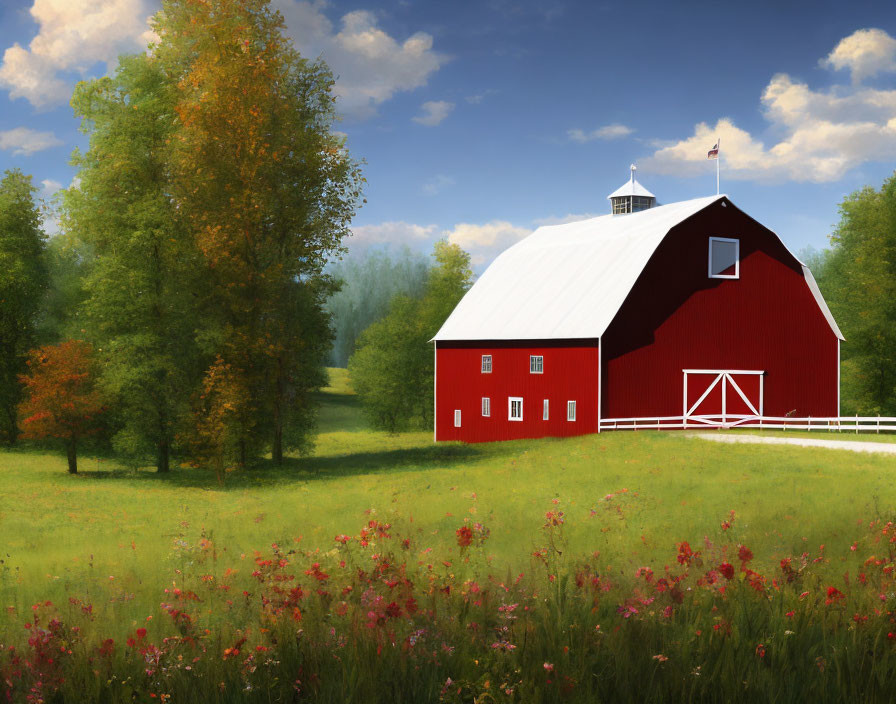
x=690 y=309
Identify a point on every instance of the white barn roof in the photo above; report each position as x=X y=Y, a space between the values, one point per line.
x=631 y=188
x=569 y=281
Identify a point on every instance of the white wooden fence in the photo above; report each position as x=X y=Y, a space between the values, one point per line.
x=842 y=424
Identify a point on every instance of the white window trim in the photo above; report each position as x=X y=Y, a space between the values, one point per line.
x=486 y=407
x=736 y=274
x=534 y=357
x=571 y=411
x=457 y=418
x=482 y=367
x=545 y=413
x=510 y=401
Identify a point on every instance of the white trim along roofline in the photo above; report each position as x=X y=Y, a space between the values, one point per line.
x=569 y=281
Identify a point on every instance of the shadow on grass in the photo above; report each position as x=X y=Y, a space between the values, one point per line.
x=303 y=469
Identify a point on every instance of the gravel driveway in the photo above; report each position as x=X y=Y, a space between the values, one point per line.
x=854 y=445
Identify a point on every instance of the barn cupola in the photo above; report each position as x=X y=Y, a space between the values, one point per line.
x=631 y=197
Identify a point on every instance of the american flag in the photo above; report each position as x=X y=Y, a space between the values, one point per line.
x=714 y=152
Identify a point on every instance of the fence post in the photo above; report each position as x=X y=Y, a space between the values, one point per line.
x=857 y=423
x=878 y=423
x=808 y=424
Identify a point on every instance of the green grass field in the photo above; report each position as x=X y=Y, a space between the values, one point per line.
x=57 y=529
x=174 y=588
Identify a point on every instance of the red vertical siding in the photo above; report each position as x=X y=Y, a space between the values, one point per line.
x=677 y=318
x=570 y=374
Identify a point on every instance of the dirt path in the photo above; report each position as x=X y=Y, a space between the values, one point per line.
x=854 y=445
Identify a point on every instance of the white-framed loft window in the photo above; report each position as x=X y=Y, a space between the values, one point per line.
x=536 y=364
x=544 y=412
x=570 y=410
x=457 y=418
x=724 y=258
x=486 y=406
x=514 y=408
x=486 y=364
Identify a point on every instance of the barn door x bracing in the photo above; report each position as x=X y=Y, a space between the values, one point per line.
x=722 y=397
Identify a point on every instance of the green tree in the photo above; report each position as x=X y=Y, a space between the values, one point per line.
x=392 y=368
x=266 y=191
x=23 y=283
x=858 y=279
x=140 y=307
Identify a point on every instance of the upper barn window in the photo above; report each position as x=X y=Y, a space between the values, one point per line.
x=536 y=364
x=486 y=364
x=724 y=258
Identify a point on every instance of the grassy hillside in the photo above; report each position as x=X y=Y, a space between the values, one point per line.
x=59 y=529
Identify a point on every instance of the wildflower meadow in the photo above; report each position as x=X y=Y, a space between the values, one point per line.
x=626 y=567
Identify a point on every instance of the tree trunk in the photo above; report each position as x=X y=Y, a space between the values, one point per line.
x=163 y=456
x=72 y=450
x=12 y=428
x=277 y=451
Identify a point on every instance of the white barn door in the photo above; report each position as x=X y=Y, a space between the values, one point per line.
x=722 y=397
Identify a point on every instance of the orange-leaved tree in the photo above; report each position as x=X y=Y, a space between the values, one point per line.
x=61 y=398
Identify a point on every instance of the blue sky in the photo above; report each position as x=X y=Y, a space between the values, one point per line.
x=481 y=120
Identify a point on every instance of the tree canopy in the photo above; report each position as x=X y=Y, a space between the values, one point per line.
x=23 y=284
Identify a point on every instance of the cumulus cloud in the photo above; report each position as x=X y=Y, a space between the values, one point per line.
x=370 y=65
x=396 y=232
x=23 y=141
x=865 y=53
x=437 y=184
x=823 y=134
x=564 y=219
x=73 y=36
x=434 y=111
x=485 y=242
x=614 y=131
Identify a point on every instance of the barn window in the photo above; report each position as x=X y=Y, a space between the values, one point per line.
x=486 y=407
x=536 y=364
x=457 y=419
x=486 y=364
x=514 y=408
x=570 y=410
x=544 y=413
x=724 y=258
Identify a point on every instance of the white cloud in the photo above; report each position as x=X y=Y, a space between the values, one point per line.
x=370 y=65
x=614 y=131
x=49 y=188
x=865 y=52
x=564 y=219
x=25 y=141
x=485 y=242
x=434 y=111
x=822 y=134
x=437 y=184
x=73 y=36
x=396 y=232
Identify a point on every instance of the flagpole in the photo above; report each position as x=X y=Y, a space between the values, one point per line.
x=718 y=159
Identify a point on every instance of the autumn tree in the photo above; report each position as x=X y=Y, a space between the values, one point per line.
x=392 y=368
x=266 y=190
x=140 y=290
x=23 y=283
x=61 y=399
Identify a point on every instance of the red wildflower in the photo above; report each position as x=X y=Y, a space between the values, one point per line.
x=760 y=650
x=685 y=554
x=464 y=536
x=393 y=610
x=744 y=553
x=727 y=570
x=834 y=595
